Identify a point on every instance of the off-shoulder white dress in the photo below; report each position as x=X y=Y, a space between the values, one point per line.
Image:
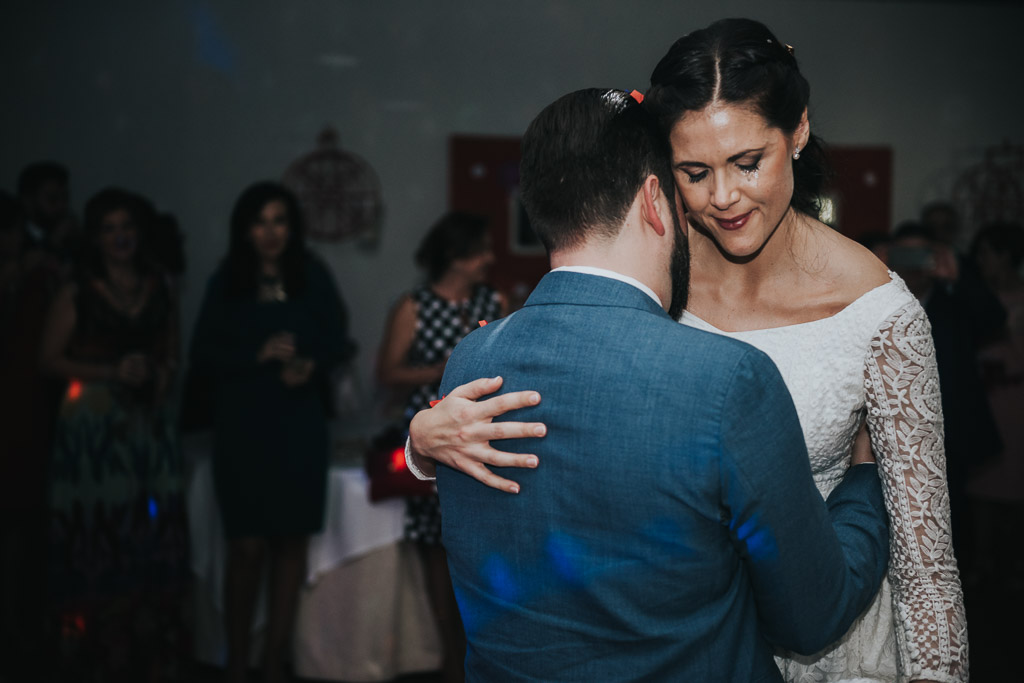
x=876 y=358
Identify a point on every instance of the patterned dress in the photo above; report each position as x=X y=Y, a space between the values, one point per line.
x=875 y=360
x=440 y=326
x=118 y=539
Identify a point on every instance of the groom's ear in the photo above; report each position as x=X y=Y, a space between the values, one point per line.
x=653 y=204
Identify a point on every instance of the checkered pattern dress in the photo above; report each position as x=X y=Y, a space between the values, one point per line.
x=440 y=325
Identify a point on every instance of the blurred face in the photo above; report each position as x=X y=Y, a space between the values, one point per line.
x=944 y=224
x=269 y=234
x=118 y=236
x=50 y=204
x=476 y=266
x=992 y=263
x=734 y=173
x=916 y=272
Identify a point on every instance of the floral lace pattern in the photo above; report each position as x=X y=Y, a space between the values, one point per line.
x=875 y=360
x=905 y=423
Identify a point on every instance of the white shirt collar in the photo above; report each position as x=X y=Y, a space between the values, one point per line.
x=604 y=272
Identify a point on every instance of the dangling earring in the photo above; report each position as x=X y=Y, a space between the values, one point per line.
x=796 y=154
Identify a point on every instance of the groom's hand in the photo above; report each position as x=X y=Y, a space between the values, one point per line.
x=457 y=432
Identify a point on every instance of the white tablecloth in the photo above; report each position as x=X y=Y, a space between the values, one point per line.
x=363 y=614
x=353 y=526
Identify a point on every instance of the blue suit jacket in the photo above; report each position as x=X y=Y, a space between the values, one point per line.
x=672 y=531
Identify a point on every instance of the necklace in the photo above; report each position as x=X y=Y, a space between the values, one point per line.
x=272 y=289
x=127 y=298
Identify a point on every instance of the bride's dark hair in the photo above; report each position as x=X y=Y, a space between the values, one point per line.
x=739 y=61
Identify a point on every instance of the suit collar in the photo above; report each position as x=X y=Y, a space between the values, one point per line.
x=566 y=287
x=613 y=275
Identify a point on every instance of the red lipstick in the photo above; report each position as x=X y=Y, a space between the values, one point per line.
x=734 y=223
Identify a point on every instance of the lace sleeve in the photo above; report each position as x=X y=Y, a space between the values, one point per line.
x=905 y=422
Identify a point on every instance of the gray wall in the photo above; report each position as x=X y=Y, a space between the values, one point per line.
x=190 y=101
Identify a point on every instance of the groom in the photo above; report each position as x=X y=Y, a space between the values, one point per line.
x=672 y=532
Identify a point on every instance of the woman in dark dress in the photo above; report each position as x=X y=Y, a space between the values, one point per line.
x=271 y=327
x=116 y=486
x=424 y=328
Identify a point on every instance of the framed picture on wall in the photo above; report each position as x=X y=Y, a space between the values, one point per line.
x=522 y=239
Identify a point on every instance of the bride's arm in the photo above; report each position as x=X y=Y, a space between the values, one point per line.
x=905 y=423
x=457 y=432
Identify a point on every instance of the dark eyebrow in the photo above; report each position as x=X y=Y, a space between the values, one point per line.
x=731 y=159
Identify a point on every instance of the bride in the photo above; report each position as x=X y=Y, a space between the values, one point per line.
x=852 y=343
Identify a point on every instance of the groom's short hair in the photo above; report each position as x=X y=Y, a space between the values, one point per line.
x=585 y=156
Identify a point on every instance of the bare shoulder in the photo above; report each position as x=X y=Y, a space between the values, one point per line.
x=852 y=268
x=404 y=315
x=405 y=307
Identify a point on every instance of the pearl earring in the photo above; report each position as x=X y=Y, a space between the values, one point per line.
x=796 y=154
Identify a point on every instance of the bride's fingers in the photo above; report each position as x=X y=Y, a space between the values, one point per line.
x=495 y=431
x=477 y=388
x=480 y=471
x=492 y=457
x=499 y=405
x=485 y=476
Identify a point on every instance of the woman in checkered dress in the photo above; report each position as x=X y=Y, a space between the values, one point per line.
x=422 y=331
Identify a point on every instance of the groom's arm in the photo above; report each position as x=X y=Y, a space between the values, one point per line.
x=814 y=568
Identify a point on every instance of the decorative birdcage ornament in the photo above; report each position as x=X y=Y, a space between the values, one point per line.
x=993 y=189
x=339 y=193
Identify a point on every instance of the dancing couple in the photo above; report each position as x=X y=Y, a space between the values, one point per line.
x=698 y=508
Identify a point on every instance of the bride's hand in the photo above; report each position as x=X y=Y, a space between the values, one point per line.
x=862 y=447
x=456 y=432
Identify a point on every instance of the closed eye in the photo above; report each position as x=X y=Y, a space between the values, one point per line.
x=751 y=167
x=696 y=177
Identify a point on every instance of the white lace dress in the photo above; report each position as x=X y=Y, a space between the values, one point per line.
x=876 y=358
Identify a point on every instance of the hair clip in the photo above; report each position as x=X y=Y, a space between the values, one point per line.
x=637 y=95
x=789 y=48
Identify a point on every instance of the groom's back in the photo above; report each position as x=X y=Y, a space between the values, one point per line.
x=616 y=561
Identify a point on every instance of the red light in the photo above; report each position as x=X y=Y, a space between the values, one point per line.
x=72 y=625
x=74 y=390
x=398 y=459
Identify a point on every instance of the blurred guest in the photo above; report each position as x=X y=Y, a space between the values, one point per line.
x=998 y=488
x=271 y=328
x=43 y=188
x=941 y=219
x=423 y=329
x=24 y=426
x=116 y=487
x=964 y=314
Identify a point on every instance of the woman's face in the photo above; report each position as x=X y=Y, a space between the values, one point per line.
x=734 y=173
x=269 y=234
x=476 y=266
x=118 y=236
x=991 y=262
